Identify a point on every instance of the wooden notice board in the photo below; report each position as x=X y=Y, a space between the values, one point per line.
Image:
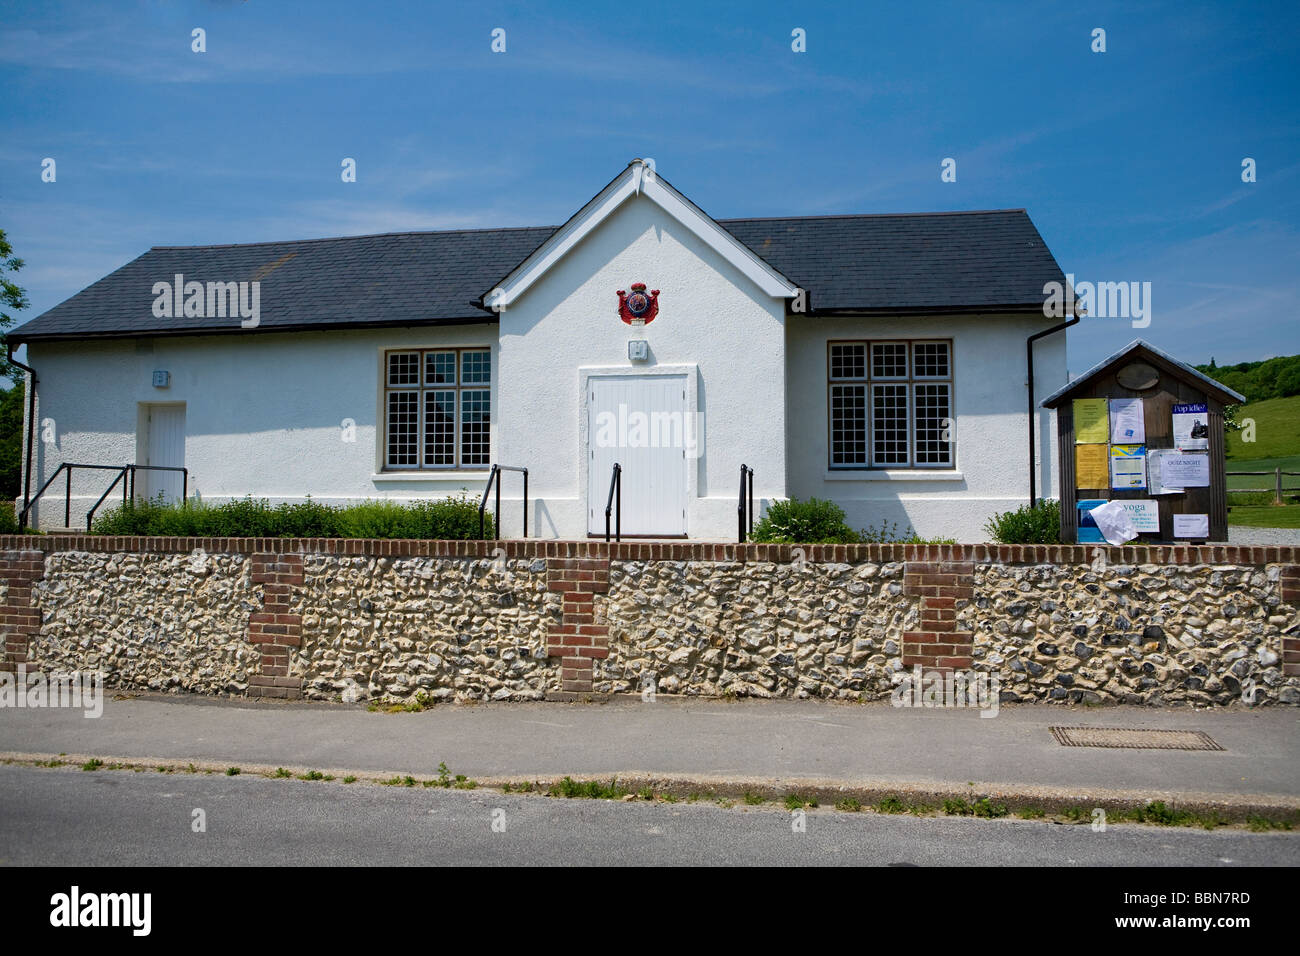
x=1141 y=371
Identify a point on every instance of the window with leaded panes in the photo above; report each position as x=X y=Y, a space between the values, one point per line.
x=890 y=404
x=437 y=408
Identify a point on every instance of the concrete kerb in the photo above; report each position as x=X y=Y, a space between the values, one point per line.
x=1232 y=808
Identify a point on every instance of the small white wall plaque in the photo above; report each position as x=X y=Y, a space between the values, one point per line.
x=638 y=350
x=162 y=379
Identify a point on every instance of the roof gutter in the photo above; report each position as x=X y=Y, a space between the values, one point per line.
x=31 y=429
x=1029 y=361
x=17 y=336
x=984 y=309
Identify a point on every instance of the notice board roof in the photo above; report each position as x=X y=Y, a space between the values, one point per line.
x=1141 y=349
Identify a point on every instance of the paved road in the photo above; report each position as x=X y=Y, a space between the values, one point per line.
x=70 y=817
x=770 y=740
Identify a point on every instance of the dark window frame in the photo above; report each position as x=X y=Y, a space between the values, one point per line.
x=867 y=383
x=422 y=390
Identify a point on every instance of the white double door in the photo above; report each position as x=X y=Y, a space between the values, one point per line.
x=640 y=422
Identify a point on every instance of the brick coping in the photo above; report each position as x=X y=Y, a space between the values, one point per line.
x=668 y=551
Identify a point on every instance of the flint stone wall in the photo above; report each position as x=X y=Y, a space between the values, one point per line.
x=1137 y=634
x=763 y=630
x=522 y=620
x=444 y=627
x=155 y=622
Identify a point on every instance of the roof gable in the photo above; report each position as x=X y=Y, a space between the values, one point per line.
x=1140 y=348
x=639 y=179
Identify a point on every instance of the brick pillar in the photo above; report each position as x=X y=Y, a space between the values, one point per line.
x=939 y=585
x=1290 y=584
x=577 y=639
x=274 y=629
x=18 y=619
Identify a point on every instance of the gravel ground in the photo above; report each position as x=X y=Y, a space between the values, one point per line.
x=1243 y=535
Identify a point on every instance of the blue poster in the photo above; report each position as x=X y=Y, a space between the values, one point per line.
x=1089 y=533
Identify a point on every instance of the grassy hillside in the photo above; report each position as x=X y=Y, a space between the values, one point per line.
x=1276 y=445
x=1277 y=432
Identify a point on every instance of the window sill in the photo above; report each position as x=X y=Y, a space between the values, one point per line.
x=911 y=474
x=448 y=475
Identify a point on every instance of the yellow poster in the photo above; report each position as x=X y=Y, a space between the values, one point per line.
x=1091 y=466
x=1091 y=422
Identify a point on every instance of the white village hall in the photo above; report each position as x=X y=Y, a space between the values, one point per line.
x=879 y=361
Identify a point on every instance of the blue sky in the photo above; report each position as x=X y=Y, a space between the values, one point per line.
x=1129 y=161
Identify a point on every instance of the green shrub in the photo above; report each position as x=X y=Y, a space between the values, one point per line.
x=1038 y=525
x=8 y=523
x=448 y=518
x=804 y=522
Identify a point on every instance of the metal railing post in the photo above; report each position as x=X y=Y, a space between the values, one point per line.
x=751 y=502
x=740 y=508
x=745 y=515
x=492 y=476
x=495 y=476
x=67 y=502
x=22 y=518
x=1277 y=486
x=615 y=499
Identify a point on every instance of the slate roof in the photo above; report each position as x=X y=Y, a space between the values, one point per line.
x=928 y=262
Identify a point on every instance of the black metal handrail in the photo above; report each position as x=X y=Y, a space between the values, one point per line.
x=90 y=515
x=122 y=471
x=742 y=512
x=495 y=478
x=614 y=504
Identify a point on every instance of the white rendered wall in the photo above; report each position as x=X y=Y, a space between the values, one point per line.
x=264 y=414
x=711 y=318
x=990 y=405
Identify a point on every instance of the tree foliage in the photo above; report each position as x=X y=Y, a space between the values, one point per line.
x=1270 y=378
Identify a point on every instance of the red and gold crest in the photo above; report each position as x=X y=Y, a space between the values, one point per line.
x=638 y=305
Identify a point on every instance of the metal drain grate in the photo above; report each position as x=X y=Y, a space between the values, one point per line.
x=1129 y=738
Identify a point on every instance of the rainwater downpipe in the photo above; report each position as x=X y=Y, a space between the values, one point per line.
x=31 y=425
x=1033 y=410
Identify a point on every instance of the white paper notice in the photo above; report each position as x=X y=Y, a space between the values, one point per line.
x=1114 y=522
x=1145 y=514
x=1126 y=423
x=1155 y=485
x=1191 y=427
x=1185 y=470
x=1191 y=526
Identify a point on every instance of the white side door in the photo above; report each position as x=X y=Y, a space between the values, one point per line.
x=164 y=445
x=640 y=422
